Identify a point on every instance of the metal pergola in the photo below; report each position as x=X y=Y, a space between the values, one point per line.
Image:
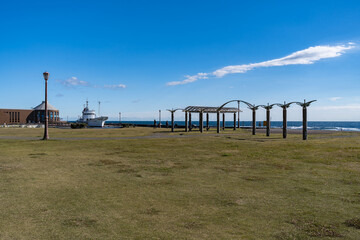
x=207 y=110
x=222 y=109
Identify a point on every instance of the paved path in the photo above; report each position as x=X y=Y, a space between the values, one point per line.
x=260 y=132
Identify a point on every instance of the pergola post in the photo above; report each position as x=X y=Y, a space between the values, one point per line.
x=190 y=124
x=304 y=122
x=186 y=122
x=201 y=122
x=253 y=121
x=268 y=122
x=234 y=121
x=207 y=121
x=284 y=122
x=172 y=121
x=223 y=123
x=218 y=122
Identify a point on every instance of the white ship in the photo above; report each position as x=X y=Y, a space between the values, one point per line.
x=89 y=117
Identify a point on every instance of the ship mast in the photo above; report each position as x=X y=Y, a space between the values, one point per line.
x=99 y=108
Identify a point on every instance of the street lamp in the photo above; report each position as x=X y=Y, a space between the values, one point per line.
x=46 y=133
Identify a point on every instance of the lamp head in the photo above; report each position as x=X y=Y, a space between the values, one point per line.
x=46 y=76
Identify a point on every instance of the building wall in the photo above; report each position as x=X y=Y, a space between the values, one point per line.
x=21 y=116
x=15 y=116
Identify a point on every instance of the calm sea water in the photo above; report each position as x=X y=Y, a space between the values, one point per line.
x=316 y=125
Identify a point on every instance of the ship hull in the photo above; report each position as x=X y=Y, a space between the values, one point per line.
x=97 y=122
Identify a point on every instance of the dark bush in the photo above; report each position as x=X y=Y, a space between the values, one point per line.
x=78 y=125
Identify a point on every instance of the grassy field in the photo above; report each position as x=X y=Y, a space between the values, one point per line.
x=227 y=186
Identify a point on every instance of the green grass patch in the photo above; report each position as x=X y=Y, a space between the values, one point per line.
x=228 y=186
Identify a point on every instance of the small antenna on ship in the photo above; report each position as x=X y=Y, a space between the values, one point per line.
x=99 y=108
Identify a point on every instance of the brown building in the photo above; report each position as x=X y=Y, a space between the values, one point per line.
x=23 y=116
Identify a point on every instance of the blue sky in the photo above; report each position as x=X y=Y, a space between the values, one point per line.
x=126 y=54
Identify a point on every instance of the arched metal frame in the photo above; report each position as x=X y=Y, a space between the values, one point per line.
x=172 y=117
x=249 y=105
x=252 y=107
x=284 y=106
x=267 y=108
x=304 y=106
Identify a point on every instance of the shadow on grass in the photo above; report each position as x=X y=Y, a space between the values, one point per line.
x=354 y=222
x=79 y=222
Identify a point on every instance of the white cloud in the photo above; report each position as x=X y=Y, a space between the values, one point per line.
x=306 y=56
x=73 y=82
x=115 y=86
x=189 y=79
x=343 y=107
x=333 y=99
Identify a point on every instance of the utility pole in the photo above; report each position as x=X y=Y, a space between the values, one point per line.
x=159 y=118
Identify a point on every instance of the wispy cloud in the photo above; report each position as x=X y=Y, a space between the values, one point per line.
x=306 y=56
x=334 y=99
x=343 y=107
x=190 y=79
x=73 y=82
x=115 y=86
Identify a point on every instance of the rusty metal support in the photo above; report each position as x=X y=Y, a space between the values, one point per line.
x=253 y=121
x=207 y=122
x=190 y=123
x=267 y=122
x=284 y=122
x=234 y=121
x=223 y=123
x=304 y=123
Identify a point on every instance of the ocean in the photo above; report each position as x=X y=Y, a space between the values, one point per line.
x=312 y=125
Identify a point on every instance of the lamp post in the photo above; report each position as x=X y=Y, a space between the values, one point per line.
x=46 y=132
x=238 y=114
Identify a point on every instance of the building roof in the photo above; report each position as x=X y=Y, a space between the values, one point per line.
x=205 y=109
x=41 y=106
